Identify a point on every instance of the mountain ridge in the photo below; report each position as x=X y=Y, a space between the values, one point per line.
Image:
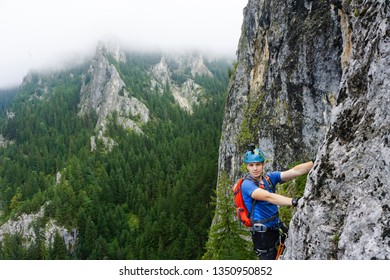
x=72 y=190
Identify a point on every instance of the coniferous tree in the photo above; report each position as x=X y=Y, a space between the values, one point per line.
x=59 y=250
x=227 y=238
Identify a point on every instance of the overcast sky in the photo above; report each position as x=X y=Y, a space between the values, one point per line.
x=44 y=33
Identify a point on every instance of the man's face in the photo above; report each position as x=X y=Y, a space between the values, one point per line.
x=255 y=169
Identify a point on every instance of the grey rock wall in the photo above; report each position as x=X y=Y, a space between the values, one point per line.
x=105 y=93
x=346 y=210
x=24 y=225
x=186 y=93
x=312 y=79
x=285 y=84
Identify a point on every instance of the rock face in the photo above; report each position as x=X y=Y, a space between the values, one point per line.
x=346 y=210
x=24 y=226
x=179 y=75
x=312 y=79
x=105 y=93
x=4 y=142
x=285 y=84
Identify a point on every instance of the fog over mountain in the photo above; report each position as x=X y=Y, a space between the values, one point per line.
x=45 y=34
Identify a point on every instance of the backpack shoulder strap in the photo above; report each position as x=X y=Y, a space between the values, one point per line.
x=237 y=185
x=267 y=178
x=270 y=185
x=257 y=183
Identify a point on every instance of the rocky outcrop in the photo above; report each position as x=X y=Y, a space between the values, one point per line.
x=199 y=68
x=23 y=225
x=312 y=79
x=188 y=94
x=160 y=74
x=104 y=92
x=184 y=89
x=5 y=142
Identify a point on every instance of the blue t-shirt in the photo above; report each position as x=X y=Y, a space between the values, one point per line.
x=263 y=209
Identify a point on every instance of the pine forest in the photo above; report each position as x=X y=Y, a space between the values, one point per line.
x=149 y=197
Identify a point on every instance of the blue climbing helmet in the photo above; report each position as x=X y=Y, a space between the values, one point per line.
x=254 y=154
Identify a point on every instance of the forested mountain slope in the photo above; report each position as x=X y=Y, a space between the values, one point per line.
x=115 y=158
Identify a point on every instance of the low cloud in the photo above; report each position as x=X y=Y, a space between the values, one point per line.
x=46 y=33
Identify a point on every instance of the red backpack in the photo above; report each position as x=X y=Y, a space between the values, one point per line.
x=242 y=213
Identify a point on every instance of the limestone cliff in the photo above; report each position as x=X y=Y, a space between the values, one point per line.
x=25 y=226
x=285 y=83
x=180 y=76
x=346 y=209
x=312 y=79
x=104 y=93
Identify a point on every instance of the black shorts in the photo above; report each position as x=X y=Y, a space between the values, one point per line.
x=265 y=243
